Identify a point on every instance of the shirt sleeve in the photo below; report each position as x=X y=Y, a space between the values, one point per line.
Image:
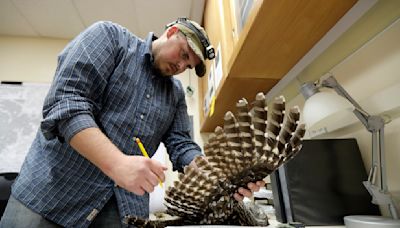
x=181 y=148
x=75 y=95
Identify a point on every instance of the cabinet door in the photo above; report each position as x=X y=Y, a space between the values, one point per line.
x=218 y=24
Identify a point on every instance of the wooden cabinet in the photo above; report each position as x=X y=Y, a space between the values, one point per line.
x=276 y=35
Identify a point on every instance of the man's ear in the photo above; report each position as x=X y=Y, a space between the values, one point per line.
x=171 y=31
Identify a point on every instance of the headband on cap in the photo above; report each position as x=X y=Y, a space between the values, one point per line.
x=197 y=40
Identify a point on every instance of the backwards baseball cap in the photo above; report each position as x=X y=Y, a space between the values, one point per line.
x=197 y=40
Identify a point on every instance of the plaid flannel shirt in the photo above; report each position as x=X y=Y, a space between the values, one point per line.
x=104 y=79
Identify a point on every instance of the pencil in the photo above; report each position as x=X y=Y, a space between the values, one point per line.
x=144 y=152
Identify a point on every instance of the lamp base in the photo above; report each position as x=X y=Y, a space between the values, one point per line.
x=369 y=221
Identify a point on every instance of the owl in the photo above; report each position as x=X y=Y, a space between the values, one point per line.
x=253 y=142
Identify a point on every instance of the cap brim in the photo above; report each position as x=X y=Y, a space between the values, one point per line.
x=200 y=69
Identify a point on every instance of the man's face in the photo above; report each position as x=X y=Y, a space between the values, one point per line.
x=175 y=55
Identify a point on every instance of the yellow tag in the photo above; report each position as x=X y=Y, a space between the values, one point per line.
x=212 y=106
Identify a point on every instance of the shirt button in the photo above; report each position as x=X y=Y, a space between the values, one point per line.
x=142 y=116
x=148 y=96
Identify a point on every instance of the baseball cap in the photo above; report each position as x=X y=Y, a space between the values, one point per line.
x=194 y=39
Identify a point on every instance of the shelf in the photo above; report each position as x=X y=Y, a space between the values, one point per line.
x=279 y=33
x=276 y=36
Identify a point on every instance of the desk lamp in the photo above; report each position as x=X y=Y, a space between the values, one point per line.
x=326 y=107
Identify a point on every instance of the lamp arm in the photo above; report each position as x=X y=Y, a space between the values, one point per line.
x=375 y=125
x=361 y=114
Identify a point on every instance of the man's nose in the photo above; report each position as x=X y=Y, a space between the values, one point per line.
x=181 y=65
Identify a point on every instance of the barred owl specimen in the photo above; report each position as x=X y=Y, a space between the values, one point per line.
x=249 y=147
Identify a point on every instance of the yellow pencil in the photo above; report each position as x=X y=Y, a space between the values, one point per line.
x=144 y=152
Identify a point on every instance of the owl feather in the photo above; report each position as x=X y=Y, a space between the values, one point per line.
x=249 y=147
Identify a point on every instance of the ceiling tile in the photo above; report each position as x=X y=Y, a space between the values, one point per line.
x=197 y=11
x=120 y=11
x=12 y=21
x=154 y=14
x=67 y=18
x=51 y=18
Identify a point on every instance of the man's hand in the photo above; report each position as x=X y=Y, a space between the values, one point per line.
x=242 y=192
x=251 y=187
x=138 y=174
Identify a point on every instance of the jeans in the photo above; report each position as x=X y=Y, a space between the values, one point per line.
x=18 y=215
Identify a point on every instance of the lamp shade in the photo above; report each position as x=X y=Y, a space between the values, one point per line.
x=325 y=108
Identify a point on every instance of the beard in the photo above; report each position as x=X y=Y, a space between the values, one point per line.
x=157 y=70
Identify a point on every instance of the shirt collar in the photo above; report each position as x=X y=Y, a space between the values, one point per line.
x=149 y=43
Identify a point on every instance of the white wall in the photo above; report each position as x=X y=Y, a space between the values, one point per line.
x=29 y=59
x=371 y=76
x=188 y=78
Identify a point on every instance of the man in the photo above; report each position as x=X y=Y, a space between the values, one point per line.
x=83 y=167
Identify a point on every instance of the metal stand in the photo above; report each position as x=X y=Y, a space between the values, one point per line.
x=380 y=194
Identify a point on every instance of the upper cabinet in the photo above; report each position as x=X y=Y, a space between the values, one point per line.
x=257 y=43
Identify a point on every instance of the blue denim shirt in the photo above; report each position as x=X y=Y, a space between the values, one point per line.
x=104 y=79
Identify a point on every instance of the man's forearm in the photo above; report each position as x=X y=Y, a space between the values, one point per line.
x=136 y=174
x=97 y=148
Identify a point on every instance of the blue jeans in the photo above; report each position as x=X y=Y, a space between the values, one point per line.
x=18 y=215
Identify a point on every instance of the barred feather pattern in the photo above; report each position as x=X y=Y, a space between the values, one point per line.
x=246 y=149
